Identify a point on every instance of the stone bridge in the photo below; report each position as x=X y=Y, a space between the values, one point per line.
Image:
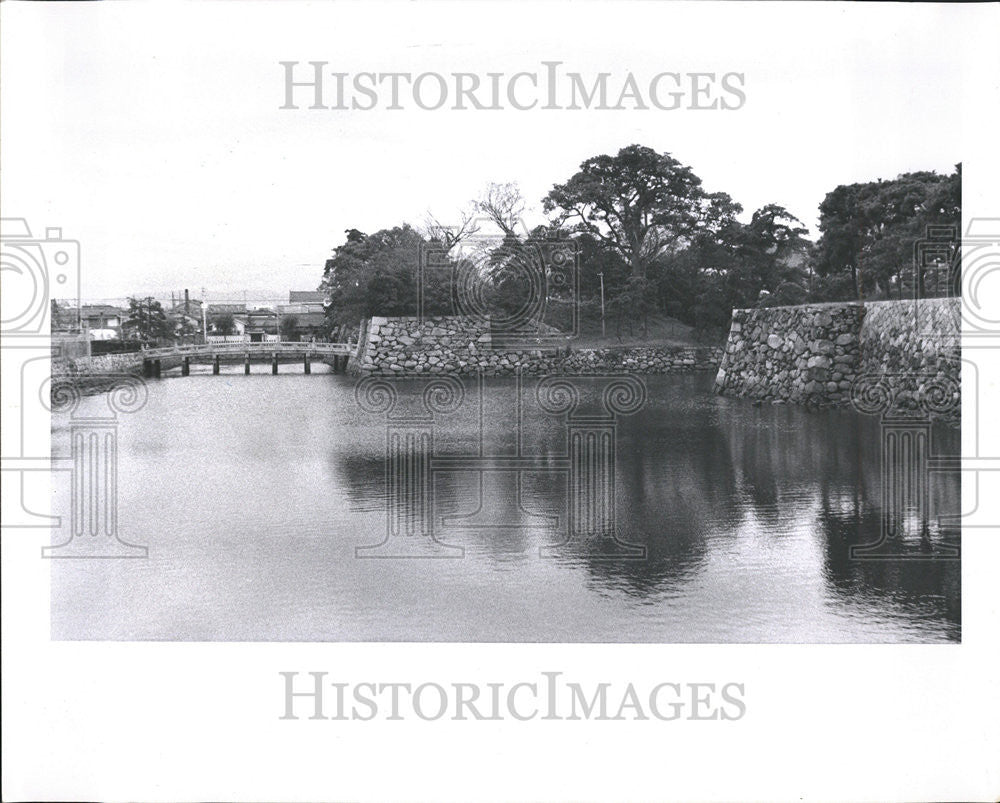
x=154 y=361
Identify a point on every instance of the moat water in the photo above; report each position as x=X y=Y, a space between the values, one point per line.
x=254 y=493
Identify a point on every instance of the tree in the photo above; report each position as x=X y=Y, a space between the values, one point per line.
x=734 y=264
x=62 y=317
x=869 y=230
x=763 y=248
x=450 y=236
x=501 y=204
x=225 y=324
x=184 y=328
x=289 y=327
x=639 y=203
x=379 y=274
x=504 y=205
x=147 y=319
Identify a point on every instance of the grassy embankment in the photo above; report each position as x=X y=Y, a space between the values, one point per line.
x=660 y=331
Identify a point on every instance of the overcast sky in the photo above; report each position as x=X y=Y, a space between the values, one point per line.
x=153 y=135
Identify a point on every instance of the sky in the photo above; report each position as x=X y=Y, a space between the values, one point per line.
x=152 y=133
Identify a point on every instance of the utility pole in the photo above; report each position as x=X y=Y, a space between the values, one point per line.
x=204 y=315
x=603 y=332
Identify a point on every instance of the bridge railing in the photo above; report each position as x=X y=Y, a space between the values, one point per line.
x=277 y=347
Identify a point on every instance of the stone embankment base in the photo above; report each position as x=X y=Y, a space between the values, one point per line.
x=455 y=345
x=896 y=355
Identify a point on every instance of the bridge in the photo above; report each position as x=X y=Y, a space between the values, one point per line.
x=155 y=360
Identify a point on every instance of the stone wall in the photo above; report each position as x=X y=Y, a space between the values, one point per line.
x=129 y=363
x=100 y=373
x=834 y=353
x=796 y=354
x=458 y=345
x=911 y=357
x=90 y=375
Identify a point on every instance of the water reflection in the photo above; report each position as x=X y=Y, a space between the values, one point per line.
x=746 y=516
x=695 y=473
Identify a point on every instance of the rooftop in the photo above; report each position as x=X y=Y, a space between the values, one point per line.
x=216 y=309
x=306 y=296
x=100 y=309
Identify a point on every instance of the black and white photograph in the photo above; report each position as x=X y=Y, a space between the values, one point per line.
x=607 y=385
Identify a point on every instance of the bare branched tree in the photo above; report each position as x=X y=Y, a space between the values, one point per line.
x=452 y=235
x=504 y=205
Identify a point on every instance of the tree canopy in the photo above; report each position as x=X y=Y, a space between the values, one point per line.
x=377 y=274
x=655 y=241
x=639 y=203
x=869 y=230
x=147 y=319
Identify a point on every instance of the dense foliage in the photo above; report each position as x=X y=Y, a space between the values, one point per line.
x=869 y=232
x=147 y=320
x=661 y=244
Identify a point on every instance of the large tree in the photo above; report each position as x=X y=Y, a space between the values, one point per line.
x=639 y=203
x=289 y=327
x=225 y=324
x=869 y=230
x=147 y=318
x=378 y=274
x=733 y=265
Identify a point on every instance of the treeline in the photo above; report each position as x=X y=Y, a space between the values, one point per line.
x=662 y=244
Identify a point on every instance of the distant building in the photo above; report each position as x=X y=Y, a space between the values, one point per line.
x=262 y=325
x=102 y=316
x=306 y=297
x=217 y=315
x=189 y=307
x=304 y=316
x=224 y=309
x=187 y=327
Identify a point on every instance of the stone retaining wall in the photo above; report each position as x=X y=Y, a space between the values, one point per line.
x=837 y=353
x=93 y=374
x=457 y=345
x=128 y=363
x=795 y=354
